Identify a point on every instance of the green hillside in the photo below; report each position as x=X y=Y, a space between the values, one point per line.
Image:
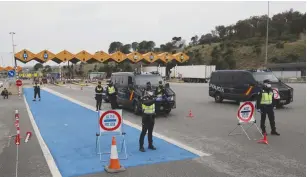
x=247 y=56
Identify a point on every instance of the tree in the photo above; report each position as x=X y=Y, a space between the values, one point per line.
x=37 y=66
x=221 y=30
x=134 y=46
x=126 y=48
x=115 y=46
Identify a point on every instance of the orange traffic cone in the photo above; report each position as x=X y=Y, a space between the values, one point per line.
x=190 y=114
x=264 y=140
x=114 y=165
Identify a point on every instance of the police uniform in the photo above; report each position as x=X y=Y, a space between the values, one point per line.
x=159 y=90
x=37 y=91
x=265 y=104
x=112 y=92
x=148 y=122
x=98 y=97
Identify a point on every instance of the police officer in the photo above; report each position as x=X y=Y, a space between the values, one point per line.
x=98 y=96
x=159 y=90
x=148 y=89
x=112 y=92
x=148 y=121
x=265 y=104
x=37 y=91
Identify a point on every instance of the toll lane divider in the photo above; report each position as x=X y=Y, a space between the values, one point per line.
x=69 y=131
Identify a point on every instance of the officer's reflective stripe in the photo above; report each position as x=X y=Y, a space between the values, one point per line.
x=99 y=89
x=148 y=109
x=249 y=90
x=159 y=93
x=266 y=98
x=111 y=90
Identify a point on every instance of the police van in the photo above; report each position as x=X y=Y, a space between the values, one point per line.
x=244 y=85
x=126 y=82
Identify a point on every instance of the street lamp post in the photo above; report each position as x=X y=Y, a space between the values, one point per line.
x=13 y=45
x=267 y=36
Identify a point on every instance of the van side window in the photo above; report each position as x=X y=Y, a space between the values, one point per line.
x=129 y=80
x=248 y=78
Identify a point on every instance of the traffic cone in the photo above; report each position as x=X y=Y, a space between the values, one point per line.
x=114 y=166
x=190 y=114
x=264 y=140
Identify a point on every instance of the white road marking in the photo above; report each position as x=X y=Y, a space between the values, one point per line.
x=49 y=159
x=172 y=141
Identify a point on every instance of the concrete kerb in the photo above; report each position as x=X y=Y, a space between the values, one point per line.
x=165 y=138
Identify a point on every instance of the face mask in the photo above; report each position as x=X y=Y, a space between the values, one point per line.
x=268 y=85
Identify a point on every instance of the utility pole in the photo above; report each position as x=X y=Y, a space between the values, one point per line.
x=13 y=45
x=267 y=36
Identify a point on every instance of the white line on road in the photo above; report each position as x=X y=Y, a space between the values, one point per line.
x=172 y=141
x=50 y=161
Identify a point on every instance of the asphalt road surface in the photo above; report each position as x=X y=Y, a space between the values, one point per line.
x=208 y=132
x=31 y=161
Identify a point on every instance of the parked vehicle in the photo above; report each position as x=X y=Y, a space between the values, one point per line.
x=125 y=82
x=244 y=85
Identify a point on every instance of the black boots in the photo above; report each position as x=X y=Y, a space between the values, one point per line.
x=152 y=147
x=142 y=149
x=275 y=133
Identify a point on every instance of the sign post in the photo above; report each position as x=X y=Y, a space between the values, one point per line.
x=19 y=84
x=246 y=116
x=110 y=123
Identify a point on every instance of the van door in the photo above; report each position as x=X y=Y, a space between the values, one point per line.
x=120 y=89
x=225 y=83
x=243 y=86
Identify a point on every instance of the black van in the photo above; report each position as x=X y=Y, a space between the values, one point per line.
x=244 y=85
x=127 y=81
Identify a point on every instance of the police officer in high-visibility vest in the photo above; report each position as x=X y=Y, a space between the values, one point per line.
x=111 y=93
x=266 y=107
x=98 y=96
x=148 y=121
x=160 y=90
x=37 y=91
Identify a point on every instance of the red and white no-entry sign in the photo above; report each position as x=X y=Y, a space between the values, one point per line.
x=246 y=112
x=18 y=83
x=276 y=93
x=110 y=121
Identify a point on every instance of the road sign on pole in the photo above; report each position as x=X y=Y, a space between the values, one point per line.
x=11 y=73
x=18 y=83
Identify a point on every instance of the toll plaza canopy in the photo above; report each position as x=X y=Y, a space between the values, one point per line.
x=9 y=68
x=25 y=56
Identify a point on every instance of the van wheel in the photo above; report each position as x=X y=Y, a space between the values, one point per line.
x=218 y=98
x=279 y=106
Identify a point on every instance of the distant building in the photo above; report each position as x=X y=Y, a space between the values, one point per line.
x=287 y=70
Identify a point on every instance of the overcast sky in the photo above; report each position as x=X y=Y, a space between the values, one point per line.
x=92 y=26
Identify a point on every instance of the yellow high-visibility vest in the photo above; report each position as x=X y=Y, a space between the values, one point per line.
x=111 y=90
x=266 y=98
x=148 y=109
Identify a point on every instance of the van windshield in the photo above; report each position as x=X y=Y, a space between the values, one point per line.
x=143 y=79
x=261 y=76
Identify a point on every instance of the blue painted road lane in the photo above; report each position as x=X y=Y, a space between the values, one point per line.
x=69 y=132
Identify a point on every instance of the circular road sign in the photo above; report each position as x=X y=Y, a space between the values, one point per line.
x=11 y=73
x=18 y=82
x=246 y=111
x=276 y=94
x=110 y=120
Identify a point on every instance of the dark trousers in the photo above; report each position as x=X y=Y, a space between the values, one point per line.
x=267 y=110
x=6 y=96
x=37 y=92
x=148 y=122
x=113 y=101
x=98 y=102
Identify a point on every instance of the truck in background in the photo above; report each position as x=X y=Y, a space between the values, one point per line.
x=188 y=73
